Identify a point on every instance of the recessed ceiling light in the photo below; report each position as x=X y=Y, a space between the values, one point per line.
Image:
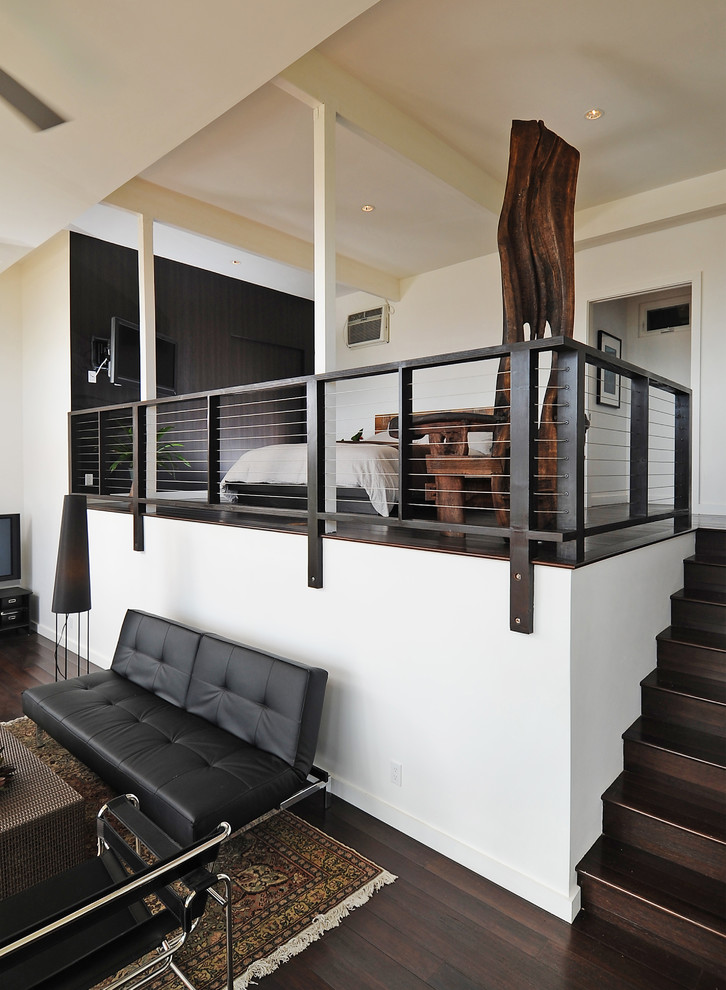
x=235 y=261
x=368 y=207
x=594 y=114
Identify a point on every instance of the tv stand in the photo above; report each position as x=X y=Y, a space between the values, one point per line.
x=15 y=610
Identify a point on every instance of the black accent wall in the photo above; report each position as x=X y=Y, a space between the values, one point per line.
x=227 y=332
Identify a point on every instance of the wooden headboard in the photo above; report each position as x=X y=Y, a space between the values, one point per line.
x=383 y=420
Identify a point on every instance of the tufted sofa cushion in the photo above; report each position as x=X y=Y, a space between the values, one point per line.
x=157 y=655
x=258 y=697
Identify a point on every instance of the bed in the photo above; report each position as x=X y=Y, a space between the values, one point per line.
x=276 y=476
x=451 y=468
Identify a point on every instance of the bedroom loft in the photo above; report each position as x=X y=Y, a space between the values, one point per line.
x=546 y=451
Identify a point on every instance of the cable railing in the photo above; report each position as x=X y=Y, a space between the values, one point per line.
x=548 y=445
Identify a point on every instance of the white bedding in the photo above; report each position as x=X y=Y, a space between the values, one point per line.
x=373 y=467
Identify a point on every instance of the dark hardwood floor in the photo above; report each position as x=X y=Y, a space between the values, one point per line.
x=440 y=926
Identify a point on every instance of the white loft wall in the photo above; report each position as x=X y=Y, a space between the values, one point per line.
x=506 y=741
x=478 y=716
x=11 y=439
x=449 y=310
x=46 y=380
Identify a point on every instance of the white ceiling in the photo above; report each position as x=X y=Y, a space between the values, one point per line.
x=135 y=79
x=463 y=69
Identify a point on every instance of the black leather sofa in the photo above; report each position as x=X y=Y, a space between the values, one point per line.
x=201 y=729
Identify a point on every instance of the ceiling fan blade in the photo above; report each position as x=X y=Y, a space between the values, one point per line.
x=38 y=113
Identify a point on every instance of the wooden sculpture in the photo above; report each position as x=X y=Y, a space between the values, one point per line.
x=537 y=256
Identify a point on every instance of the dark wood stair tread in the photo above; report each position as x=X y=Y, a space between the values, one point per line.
x=677 y=739
x=674 y=889
x=700 y=596
x=672 y=804
x=693 y=637
x=690 y=685
x=708 y=560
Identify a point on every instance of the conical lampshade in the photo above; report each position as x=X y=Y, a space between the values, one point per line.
x=72 y=591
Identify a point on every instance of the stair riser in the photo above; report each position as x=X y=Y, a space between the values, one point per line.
x=710 y=577
x=627 y=940
x=643 y=759
x=695 y=852
x=618 y=908
x=711 y=542
x=696 y=660
x=698 y=615
x=679 y=709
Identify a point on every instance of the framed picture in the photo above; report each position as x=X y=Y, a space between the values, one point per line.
x=608 y=383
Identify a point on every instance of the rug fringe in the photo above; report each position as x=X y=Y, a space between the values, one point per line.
x=322 y=924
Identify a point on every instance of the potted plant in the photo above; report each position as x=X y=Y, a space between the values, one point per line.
x=167 y=452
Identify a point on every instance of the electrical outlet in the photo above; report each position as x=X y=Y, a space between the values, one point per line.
x=92 y=377
x=88 y=480
x=396 y=771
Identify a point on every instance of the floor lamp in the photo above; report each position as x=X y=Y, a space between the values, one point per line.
x=72 y=590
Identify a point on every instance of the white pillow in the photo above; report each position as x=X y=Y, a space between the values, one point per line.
x=480 y=444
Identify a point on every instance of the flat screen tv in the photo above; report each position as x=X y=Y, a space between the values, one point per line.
x=10 y=547
x=124 y=366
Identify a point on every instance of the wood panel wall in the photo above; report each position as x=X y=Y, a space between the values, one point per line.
x=227 y=332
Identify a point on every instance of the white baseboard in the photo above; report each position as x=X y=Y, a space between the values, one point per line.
x=563 y=906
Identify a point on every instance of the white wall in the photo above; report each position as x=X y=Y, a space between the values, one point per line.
x=44 y=279
x=423 y=670
x=11 y=437
x=506 y=741
x=445 y=311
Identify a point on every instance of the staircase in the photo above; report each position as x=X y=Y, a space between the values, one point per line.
x=654 y=884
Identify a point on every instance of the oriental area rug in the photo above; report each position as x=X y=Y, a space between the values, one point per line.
x=291 y=882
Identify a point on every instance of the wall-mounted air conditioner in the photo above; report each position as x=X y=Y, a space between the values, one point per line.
x=665 y=315
x=368 y=327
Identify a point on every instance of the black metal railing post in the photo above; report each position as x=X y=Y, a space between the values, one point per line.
x=138 y=462
x=316 y=479
x=213 y=455
x=522 y=415
x=639 y=427
x=571 y=431
x=102 y=446
x=682 y=465
x=405 y=439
